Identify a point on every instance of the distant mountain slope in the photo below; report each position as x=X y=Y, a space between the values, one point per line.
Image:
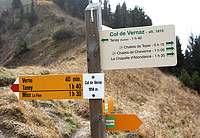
x=43 y=49
x=5 y=4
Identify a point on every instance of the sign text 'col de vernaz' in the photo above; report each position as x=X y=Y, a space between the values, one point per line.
x=140 y=47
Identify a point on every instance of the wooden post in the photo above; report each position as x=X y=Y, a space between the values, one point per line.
x=93 y=18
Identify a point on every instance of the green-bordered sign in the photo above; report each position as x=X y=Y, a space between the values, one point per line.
x=110 y=122
x=138 y=47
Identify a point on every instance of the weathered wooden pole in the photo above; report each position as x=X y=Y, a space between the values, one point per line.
x=93 y=19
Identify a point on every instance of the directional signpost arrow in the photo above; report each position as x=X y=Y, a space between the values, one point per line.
x=170 y=43
x=137 y=47
x=72 y=86
x=170 y=48
x=104 y=40
x=123 y=122
x=170 y=54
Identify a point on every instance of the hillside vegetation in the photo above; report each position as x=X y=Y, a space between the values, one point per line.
x=55 y=44
x=43 y=47
x=166 y=106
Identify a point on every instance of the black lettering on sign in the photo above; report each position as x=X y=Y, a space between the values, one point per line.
x=24 y=94
x=97 y=82
x=38 y=95
x=76 y=79
x=78 y=93
x=68 y=78
x=24 y=80
x=71 y=86
x=71 y=93
x=78 y=86
x=91 y=89
x=87 y=82
x=28 y=88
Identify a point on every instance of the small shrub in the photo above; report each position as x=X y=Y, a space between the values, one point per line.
x=185 y=78
x=62 y=33
x=196 y=81
x=21 y=47
x=60 y=20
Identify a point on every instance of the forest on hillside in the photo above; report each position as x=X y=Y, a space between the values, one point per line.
x=187 y=69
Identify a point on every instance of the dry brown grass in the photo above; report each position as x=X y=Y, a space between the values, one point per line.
x=35 y=119
x=6 y=77
x=167 y=108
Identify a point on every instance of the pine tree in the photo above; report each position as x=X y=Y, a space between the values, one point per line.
x=189 y=61
x=27 y=11
x=82 y=4
x=16 y=4
x=60 y=3
x=196 y=54
x=105 y=12
x=110 y=16
x=21 y=47
x=21 y=16
x=185 y=78
x=180 y=58
x=117 y=17
x=123 y=15
x=196 y=81
x=32 y=17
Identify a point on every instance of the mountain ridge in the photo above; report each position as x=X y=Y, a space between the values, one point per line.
x=50 y=19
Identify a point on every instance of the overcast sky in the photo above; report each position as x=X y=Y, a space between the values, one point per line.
x=182 y=13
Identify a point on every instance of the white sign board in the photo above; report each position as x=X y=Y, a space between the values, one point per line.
x=93 y=86
x=139 y=47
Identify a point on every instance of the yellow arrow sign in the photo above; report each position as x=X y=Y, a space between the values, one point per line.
x=123 y=122
x=72 y=86
x=51 y=87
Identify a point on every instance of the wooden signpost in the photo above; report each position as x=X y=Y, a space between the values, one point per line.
x=93 y=19
x=120 y=49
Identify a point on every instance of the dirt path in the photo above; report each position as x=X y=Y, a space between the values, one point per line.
x=83 y=131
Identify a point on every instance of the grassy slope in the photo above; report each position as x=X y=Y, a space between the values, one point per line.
x=167 y=108
x=43 y=49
